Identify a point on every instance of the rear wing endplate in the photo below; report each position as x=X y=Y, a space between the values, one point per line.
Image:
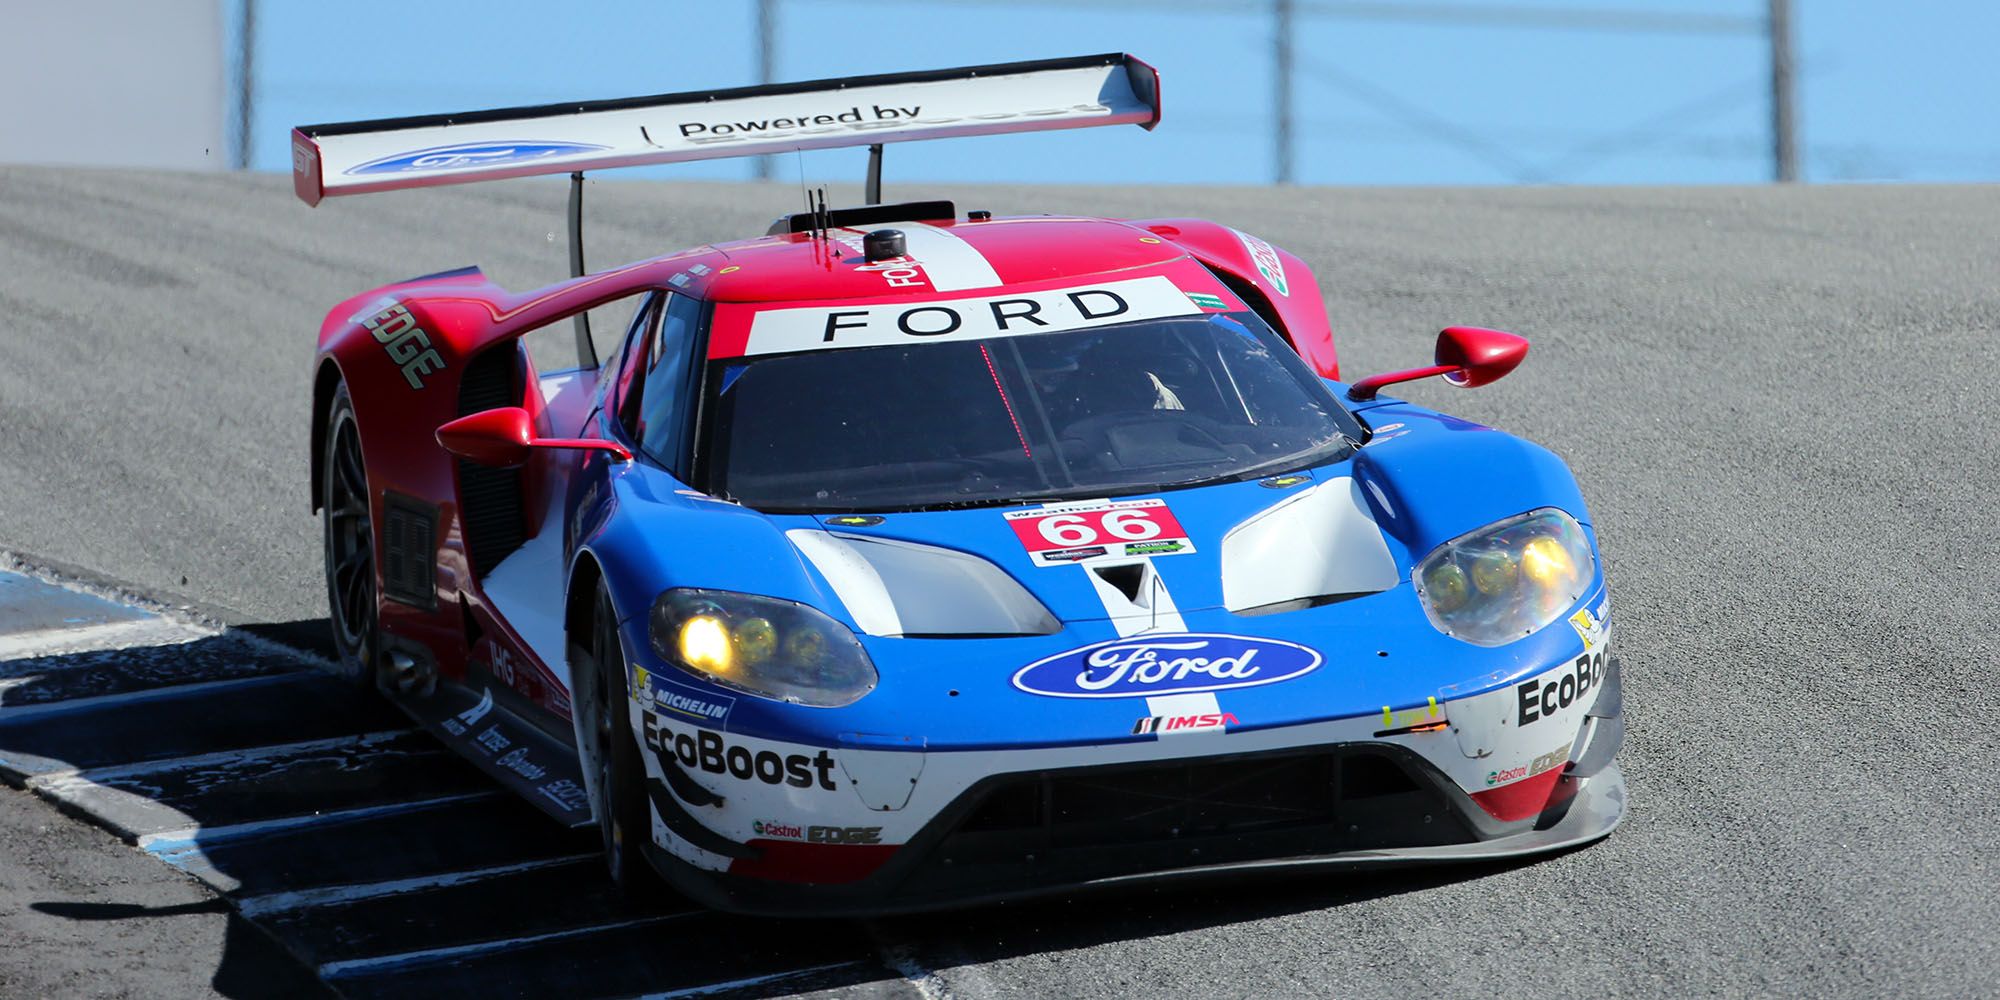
x=386 y=154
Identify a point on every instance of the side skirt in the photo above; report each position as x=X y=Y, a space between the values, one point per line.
x=482 y=723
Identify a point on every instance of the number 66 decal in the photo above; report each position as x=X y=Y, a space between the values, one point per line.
x=1089 y=530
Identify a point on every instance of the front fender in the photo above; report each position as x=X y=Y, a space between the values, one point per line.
x=1434 y=477
x=656 y=534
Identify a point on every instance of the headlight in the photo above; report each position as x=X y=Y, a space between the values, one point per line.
x=1507 y=579
x=761 y=645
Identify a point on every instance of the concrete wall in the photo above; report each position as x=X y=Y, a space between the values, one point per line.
x=128 y=83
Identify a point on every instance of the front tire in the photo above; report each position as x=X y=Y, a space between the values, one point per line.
x=346 y=515
x=615 y=768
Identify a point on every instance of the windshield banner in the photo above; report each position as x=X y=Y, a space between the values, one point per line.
x=831 y=327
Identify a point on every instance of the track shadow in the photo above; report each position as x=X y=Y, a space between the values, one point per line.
x=251 y=966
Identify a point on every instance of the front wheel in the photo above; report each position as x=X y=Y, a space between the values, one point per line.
x=615 y=768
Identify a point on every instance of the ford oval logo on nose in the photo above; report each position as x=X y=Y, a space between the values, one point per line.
x=1143 y=665
x=471 y=154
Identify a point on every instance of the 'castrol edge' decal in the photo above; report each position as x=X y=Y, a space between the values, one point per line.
x=813 y=328
x=1155 y=664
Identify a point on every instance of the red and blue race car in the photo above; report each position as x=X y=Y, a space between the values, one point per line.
x=899 y=558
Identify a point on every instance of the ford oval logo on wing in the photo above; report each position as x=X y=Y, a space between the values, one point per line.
x=1174 y=663
x=471 y=154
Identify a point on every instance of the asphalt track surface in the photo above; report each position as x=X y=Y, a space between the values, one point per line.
x=1780 y=403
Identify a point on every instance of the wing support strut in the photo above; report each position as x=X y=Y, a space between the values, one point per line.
x=586 y=355
x=873 y=193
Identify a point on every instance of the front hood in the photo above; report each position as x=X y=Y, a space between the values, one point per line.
x=1139 y=563
x=1256 y=557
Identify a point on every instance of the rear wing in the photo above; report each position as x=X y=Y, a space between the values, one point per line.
x=391 y=153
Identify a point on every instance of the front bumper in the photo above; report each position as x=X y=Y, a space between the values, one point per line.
x=1340 y=805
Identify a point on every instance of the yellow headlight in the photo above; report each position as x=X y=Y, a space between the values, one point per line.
x=705 y=644
x=1546 y=562
x=756 y=639
x=1447 y=586
x=1493 y=572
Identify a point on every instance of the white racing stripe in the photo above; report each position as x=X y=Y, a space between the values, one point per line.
x=903 y=959
x=950 y=263
x=737 y=984
x=1152 y=611
x=92 y=638
x=283 y=902
x=171 y=845
x=362 y=966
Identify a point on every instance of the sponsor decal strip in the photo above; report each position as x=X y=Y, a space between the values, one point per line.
x=1166 y=663
x=466 y=155
x=830 y=327
x=1548 y=761
x=407 y=344
x=1269 y=264
x=1539 y=699
x=1184 y=713
x=1058 y=534
x=707 y=750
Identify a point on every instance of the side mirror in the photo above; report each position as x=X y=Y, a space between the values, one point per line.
x=505 y=437
x=1467 y=356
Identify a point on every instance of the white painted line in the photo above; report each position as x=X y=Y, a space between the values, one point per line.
x=99 y=775
x=360 y=966
x=95 y=638
x=20 y=712
x=282 y=902
x=902 y=957
x=734 y=984
x=193 y=838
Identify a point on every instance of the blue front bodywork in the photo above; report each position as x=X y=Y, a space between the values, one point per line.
x=1427 y=478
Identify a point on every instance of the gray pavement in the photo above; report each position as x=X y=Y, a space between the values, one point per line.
x=1780 y=404
x=84 y=915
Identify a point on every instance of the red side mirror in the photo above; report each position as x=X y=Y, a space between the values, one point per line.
x=1467 y=356
x=505 y=437
x=1481 y=355
x=502 y=438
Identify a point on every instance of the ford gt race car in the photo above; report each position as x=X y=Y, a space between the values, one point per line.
x=900 y=558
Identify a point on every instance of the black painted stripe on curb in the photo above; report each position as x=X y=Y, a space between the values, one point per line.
x=453 y=837
x=192 y=719
x=702 y=953
x=240 y=787
x=45 y=680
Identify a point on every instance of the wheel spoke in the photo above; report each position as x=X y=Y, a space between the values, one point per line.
x=355 y=591
x=349 y=507
x=350 y=467
x=348 y=562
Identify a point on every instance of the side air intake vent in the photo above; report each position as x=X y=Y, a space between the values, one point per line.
x=489 y=499
x=409 y=551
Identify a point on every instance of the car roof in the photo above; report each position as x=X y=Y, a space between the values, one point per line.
x=943 y=256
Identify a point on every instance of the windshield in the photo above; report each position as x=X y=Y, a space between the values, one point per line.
x=1108 y=410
